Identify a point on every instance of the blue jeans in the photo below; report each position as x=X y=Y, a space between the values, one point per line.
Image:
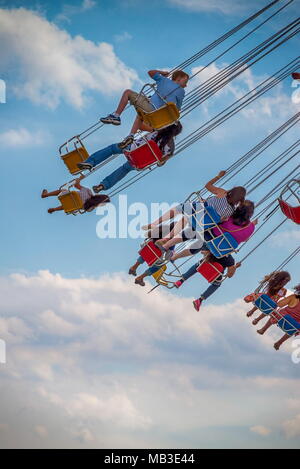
x=150 y=270
x=102 y=155
x=210 y=290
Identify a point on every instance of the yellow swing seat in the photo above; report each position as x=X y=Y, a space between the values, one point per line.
x=158 y=276
x=71 y=202
x=71 y=158
x=160 y=118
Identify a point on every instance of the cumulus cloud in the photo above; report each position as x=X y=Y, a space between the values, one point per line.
x=22 y=137
x=52 y=66
x=113 y=364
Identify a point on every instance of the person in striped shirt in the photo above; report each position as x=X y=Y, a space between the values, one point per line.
x=190 y=225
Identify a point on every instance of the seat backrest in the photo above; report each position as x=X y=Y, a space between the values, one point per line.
x=159 y=273
x=289 y=325
x=71 y=202
x=211 y=218
x=78 y=155
x=293 y=213
x=222 y=245
x=144 y=155
x=150 y=253
x=265 y=304
x=162 y=117
x=210 y=270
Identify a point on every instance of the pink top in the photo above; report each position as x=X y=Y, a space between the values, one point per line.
x=240 y=233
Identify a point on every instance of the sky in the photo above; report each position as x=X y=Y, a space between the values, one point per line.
x=93 y=361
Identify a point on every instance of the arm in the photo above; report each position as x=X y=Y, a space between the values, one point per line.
x=151 y=73
x=232 y=269
x=218 y=191
x=77 y=184
x=285 y=301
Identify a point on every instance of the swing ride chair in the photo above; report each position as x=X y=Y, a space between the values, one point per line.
x=73 y=152
x=220 y=246
x=292 y=189
x=145 y=156
x=159 y=118
x=71 y=200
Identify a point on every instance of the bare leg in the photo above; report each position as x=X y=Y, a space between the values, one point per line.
x=140 y=280
x=45 y=193
x=179 y=255
x=166 y=216
x=55 y=209
x=123 y=102
x=140 y=125
x=260 y=317
x=177 y=229
x=266 y=327
x=132 y=270
x=283 y=339
x=251 y=312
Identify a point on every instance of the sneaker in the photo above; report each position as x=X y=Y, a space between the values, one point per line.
x=131 y=271
x=83 y=165
x=98 y=188
x=197 y=304
x=126 y=142
x=178 y=283
x=139 y=281
x=111 y=119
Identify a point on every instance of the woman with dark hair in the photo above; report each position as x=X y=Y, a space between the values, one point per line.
x=274 y=288
x=89 y=200
x=289 y=306
x=190 y=225
x=164 y=139
x=238 y=225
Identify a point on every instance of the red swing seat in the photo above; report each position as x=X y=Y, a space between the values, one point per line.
x=210 y=270
x=293 y=213
x=145 y=155
x=150 y=253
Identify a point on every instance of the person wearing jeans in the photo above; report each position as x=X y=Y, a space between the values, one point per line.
x=226 y=262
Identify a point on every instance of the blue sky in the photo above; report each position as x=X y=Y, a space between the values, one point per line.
x=65 y=65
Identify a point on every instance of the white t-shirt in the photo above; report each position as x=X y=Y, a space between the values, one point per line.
x=150 y=136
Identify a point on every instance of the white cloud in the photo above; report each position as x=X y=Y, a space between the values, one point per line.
x=292 y=427
x=226 y=7
x=70 y=10
x=113 y=364
x=22 y=137
x=260 y=430
x=125 y=36
x=51 y=66
x=286 y=238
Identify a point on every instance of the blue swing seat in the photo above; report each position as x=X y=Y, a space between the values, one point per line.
x=222 y=245
x=265 y=304
x=289 y=325
x=210 y=219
